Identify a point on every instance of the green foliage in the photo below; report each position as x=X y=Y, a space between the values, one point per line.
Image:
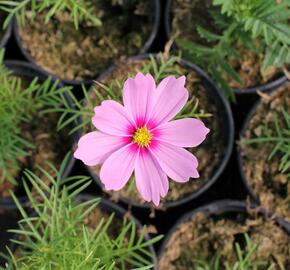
x=267 y=20
x=160 y=67
x=214 y=57
x=245 y=259
x=242 y=22
x=79 y=10
x=18 y=105
x=279 y=137
x=57 y=238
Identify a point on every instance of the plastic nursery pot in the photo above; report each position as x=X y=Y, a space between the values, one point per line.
x=77 y=82
x=266 y=87
x=228 y=209
x=255 y=110
x=225 y=123
x=27 y=70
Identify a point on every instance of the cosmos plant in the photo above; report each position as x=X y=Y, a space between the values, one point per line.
x=141 y=137
x=62 y=233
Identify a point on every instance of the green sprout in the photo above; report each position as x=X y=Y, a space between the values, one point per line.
x=79 y=10
x=18 y=105
x=279 y=138
x=245 y=259
x=56 y=236
x=242 y=22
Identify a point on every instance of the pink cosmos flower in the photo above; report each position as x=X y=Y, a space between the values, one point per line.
x=140 y=137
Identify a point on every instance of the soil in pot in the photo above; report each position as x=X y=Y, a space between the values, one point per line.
x=201 y=239
x=209 y=154
x=186 y=15
x=261 y=173
x=81 y=54
x=50 y=146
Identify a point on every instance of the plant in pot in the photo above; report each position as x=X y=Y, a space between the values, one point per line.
x=68 y=230
x=244 y=45
x=264 y=150
x=204 y=102
x=75 y=40
x=30 y=114
x=226 y=235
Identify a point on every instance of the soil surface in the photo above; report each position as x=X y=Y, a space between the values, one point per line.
x=262 y=174
x=81 y=54
x=209 y=154
x=203 y=238
x=50 y=146
x=187 y=15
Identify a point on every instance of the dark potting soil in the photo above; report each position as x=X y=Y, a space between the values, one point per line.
x=187 y=15
x=50 y=146
x=262 y=174
x=208 y=154
x=81 y=54
x=203 y=238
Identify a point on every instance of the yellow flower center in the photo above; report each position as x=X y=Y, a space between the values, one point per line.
x=142 y=137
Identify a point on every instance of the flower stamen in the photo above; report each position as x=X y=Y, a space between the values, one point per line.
x=142 y=137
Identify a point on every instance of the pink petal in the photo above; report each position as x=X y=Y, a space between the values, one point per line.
x=118 y=167
x=176 y=162
x=188 y=132
x=112 y=118
x=171 y=97
x=151 y=181
x=95 y=147
x=138 y=97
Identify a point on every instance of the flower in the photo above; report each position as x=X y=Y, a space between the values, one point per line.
x=140 y=137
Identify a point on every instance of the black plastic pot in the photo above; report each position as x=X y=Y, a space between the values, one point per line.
x=6 y=36
x=250 y=190
x=222 y=207
x=239 y=91
x=28 y=70
x=228 y=132
x=145 y=48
